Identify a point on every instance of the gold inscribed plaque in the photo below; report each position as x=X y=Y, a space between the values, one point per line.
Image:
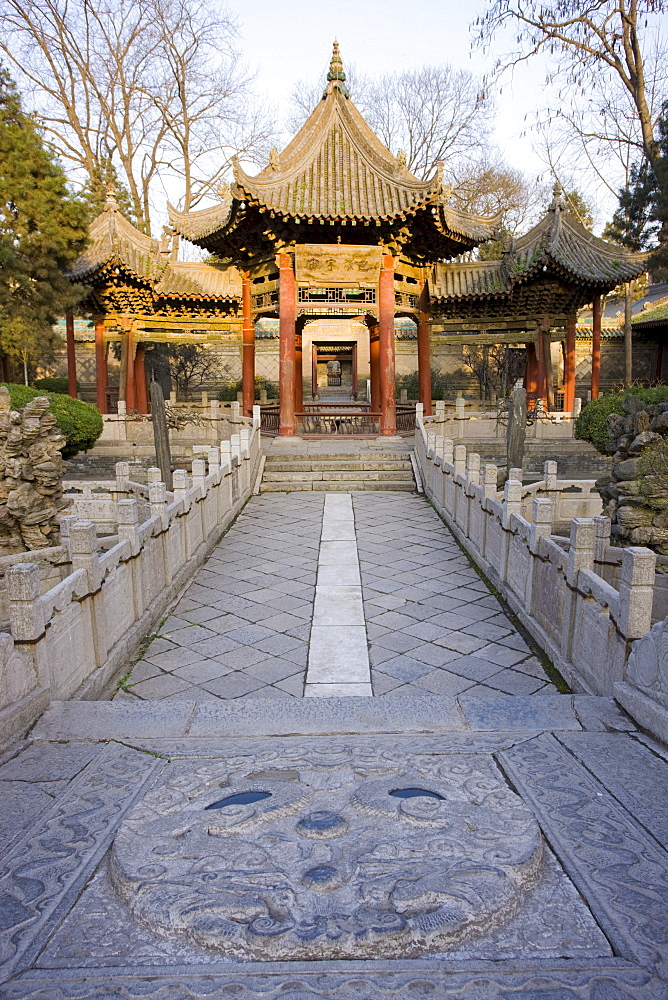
x=337 y=264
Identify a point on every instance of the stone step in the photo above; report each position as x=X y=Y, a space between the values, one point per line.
x=350 y=456
x=332 y=486
x=319 y=465
x=257 y=716
x=300 y=475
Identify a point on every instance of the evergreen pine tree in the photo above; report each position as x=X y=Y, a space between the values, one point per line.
x=642 y=216
x=43 y=228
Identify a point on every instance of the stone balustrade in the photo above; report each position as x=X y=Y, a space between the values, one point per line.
x=590 y=629
x=468 y=422
x=72 y=640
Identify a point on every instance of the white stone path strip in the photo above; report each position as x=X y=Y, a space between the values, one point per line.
x=338 y=661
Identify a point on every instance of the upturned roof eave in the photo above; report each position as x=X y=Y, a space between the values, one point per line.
x=552 y=259
x=83 y=275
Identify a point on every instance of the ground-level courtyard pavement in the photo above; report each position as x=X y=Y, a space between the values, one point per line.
x=272 y=809
x=243 y=625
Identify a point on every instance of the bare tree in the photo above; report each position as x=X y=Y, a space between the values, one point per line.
x=434 y=114
x=134 y=84
x=613 y=44
x=489 y=187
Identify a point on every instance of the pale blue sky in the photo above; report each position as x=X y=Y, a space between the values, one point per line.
x=291 y=40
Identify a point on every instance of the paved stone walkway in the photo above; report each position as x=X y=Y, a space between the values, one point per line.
x=243 y=625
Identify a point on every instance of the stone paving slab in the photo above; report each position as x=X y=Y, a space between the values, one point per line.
x=243 y=626
x=432 y=623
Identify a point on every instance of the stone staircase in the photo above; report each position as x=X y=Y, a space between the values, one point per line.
x=343 y=472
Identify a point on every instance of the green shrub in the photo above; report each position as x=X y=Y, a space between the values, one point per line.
x=441 y=385
x=80 y=422
x=228 y=393
x=590 y=425
x=60 y=385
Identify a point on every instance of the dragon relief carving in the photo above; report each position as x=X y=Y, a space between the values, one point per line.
x=356 y=862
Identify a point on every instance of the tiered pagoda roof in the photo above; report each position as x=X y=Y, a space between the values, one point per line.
x=334 y=182
x=129 y=272
x=554 y=269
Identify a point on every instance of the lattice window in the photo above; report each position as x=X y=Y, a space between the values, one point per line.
x=319 y=295
x=265 y=299
x=405 y=299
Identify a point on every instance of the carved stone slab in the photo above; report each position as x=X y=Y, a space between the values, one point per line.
x=609 y=980
x=47 y=868
x=618 y=867
x=68 y=932
x=320 y=862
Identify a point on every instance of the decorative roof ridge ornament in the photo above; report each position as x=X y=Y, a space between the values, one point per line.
x=336 y=77
x=111 y=206
x=110 y=201
x=275 y=159
x=558 y=200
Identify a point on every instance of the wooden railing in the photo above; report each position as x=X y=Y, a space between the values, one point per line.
x=269 y=420
x=321 y=406
x=337 y=418
x=405 y=419
x=338 y=422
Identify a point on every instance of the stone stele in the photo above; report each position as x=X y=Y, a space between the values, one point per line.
x=363 y=862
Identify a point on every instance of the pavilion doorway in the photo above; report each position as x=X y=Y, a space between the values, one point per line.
x=334 y=371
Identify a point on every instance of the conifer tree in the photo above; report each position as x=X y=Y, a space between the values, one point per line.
x=43 y=228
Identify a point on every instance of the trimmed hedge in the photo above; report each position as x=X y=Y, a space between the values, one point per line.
x=441 y=385
x=80 y=422
x=228 y=393
x=60 y=385
x=591 y=426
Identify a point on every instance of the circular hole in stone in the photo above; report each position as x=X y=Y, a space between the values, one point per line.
x=240 y=799
x=322 y=824
x=321 y=876
x=414 y=793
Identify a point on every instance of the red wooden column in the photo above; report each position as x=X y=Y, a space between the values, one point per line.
x=141 y=391
x=388 y=409
x=424 y=351
x=130 y=384
x=287 y=311
x=100 y=366
x=374 y=367
x=596 y=348
x=71 y=357
x=247 y=348
x=541 y=389
x=569 y=366
x=531 y=377
x=314 y=370
x=299 y=374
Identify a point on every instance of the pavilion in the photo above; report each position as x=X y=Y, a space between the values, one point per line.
x=336 y=228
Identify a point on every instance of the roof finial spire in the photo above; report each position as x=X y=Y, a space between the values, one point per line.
x=336 y=78
x=557 y=197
